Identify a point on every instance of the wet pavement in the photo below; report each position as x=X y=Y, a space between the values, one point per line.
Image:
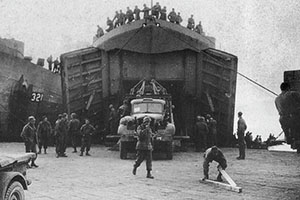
x=263 y=175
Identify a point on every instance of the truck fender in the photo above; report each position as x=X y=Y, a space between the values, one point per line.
x=170 y=129
x=6 y=178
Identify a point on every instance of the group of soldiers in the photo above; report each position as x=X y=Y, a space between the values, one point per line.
x=205 y=132
x=56 y=65
x=157 y=11
x=64 y=130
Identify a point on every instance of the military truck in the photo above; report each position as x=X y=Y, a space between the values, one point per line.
x=293 y=78
x=148 y=98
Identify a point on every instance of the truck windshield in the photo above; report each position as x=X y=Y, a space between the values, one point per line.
x=148 y=108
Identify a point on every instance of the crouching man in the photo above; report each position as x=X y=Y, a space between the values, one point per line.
x=213 y=154
x=144 y=147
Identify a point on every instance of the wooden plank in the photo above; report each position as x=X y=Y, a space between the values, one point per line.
x=230 y=187
x=226 y=176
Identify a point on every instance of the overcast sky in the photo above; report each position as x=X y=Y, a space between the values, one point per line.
x=264 y=34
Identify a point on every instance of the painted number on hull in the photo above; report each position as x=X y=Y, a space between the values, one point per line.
x=37 y=97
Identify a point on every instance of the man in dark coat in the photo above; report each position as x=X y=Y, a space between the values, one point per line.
x=129 y=15
x=136 y=12
x=44 y=131
x=146 y=11
x=199 y=29
x=29 y=136
x=172 y=16
x=122 y=17
x=116 y=19
x=62 y=131
x=178 y=19
x=288 y=106
x=144 y=147
x=124 y=109
x=86 y=131
x=241 y=128
x=191 y=23
x=201 y=132
x=163 y=13
x=113 y=120
x=213 y=154
x=74 y=130
x=156 y=9
x=110 y=25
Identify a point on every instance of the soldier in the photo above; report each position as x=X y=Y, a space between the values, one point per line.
x=172 y=16
x=136 y=12
x=129 y=15
x=100 y=32
x=201 y=132
x=144 y=147
x=178 y=18
x=56 y=66
x=110 y=25
x=56 y=135
x=288 y=106
x=44 y=130
x=213 y=130
x=242 y=126
x=86 y=131
x=49 y=60
x=124 y=109
x=74 y=130
x=113 y=120
x=191 y=23
x=163 y=13
x=29 y=136
x=199 y=29
x=146 y=11
x=62 y=131
x=156 y=9
x=117 y=18
x=122 y=17
x=214 y=154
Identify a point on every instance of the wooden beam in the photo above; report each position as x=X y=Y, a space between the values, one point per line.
x=230 y=187
x=226 y=176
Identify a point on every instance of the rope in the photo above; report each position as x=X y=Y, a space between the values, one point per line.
x=198 y=50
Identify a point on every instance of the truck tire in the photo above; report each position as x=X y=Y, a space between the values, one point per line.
x=15 y=191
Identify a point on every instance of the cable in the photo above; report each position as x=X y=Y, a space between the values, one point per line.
x=198 y=50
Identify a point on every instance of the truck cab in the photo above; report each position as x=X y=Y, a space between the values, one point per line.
x=159 y=108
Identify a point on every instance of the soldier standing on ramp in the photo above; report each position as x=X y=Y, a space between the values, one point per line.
x=144 y=147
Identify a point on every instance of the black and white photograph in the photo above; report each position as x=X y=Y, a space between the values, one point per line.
x=149 y=100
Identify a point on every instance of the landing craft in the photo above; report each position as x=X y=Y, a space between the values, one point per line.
x=200 y=78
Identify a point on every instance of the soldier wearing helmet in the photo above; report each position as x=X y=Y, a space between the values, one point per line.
x=29 y=136
x=144 y=146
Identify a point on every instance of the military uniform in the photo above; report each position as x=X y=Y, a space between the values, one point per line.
x=172 y=16
x=29 y=136
x=191 y=23
x=163 y=13
x=110 y=25
x=288 y=106
x=44 y=132
x=74 y=130
x=136 y=12
x=129 y=15
x=146 y=11
x=117 y=18
x=199 y=29
x=86 y=132
x=213 y=154
x=178 y=19
x=201 y=132
x=144 y=147
x=242 y=126
x=62 y=131
x=155 y=10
